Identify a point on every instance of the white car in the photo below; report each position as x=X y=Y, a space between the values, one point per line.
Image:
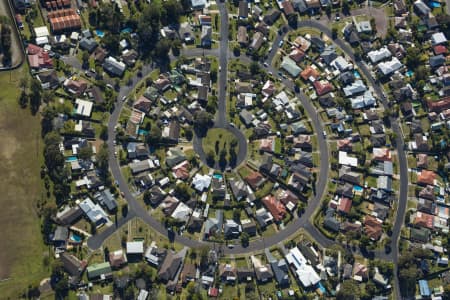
x=280 y=44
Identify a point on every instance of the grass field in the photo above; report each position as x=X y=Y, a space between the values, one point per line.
x=22 y=249
x=221 y=136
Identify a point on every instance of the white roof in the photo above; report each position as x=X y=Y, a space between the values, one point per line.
x=74 y=36
x=93 y=211
x=356 y=87
x=41 y=31
x=341 y=64
x=143 y=294
x=438 y=38
x=182 y=212
x=84 y=107
x=390 y=66
x=135 y=247
x=305 y=273
x=344 y=159
x=41 y=40
x=364 y=100
x=376 y=56
x=201 y=182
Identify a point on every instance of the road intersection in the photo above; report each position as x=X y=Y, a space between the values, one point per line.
x=136 y=210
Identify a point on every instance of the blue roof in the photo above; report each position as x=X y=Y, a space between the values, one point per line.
x=424 y=289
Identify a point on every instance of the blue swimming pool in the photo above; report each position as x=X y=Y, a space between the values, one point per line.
x=126 y=30
x=435 y=4
x=99 y=33
x=409 y=73
x=217 y=176
x=322 y=288
x=75 y=238
x=142 y=132
x=71 y=158
x=358 y=188
x=356 y=74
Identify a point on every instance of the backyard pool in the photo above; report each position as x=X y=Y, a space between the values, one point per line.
x=358 y=189
x=409 y=73
x=75 y=238
x=356 y=74
x=435 y=4
x=71 y=158
x=126 y=30
x=217 y=176
x=99 y=33
x=142 y=132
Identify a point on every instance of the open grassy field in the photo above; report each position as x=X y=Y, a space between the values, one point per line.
x=22 y=249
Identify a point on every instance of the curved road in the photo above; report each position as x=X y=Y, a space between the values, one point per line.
x=399 y=143
x=136 y=210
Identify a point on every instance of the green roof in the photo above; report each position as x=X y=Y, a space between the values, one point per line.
x=96 y=270
x=290 y=66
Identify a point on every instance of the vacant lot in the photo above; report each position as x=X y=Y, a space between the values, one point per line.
x=21 y=246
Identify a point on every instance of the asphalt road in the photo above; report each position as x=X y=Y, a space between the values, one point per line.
x=303 y=222
x=403 y=165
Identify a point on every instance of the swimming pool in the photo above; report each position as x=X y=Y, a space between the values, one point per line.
x=409 y=73
x=217 y=176
x=358 y=188
x=356 y=74
x=99 y=33
x=142 y=132
x=435 y=4
x=74 y=238
x=126 y=30
x=71 y=158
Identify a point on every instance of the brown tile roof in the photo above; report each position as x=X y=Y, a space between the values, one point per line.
x=345 y=204
x=275 y=207
x=426 y=177
x=372 y=227
x=438 y=106
x=310 y=72
x=424 y=220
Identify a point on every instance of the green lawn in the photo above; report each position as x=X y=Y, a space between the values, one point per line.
x=22 y=250
x=220 y=137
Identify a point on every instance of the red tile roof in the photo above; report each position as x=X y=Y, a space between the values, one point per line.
x=439 y=106
x=322 y=87
x=426 y=177
x=372 y=227
x=424 y=220
x=38 y=57
x=345 y=204
x=310 y=72
x=440 y=49
x=275 y=207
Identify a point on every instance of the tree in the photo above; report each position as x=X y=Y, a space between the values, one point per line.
x=348 y=291
x=188 y=133
x=223 y=158
x=254 y=68
x=23 y=99
x=334 y=32
x=202 y=121
x=162 y=49
x=147 y=197
x=48 y=96
x=154 y=136
x=182 y=191
x=210 y=158
x=102 y=161
x=85 y=153
x=174 y=10
x=85 y=58
x=245 y=238
x=35 y=97
x=111 y=43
